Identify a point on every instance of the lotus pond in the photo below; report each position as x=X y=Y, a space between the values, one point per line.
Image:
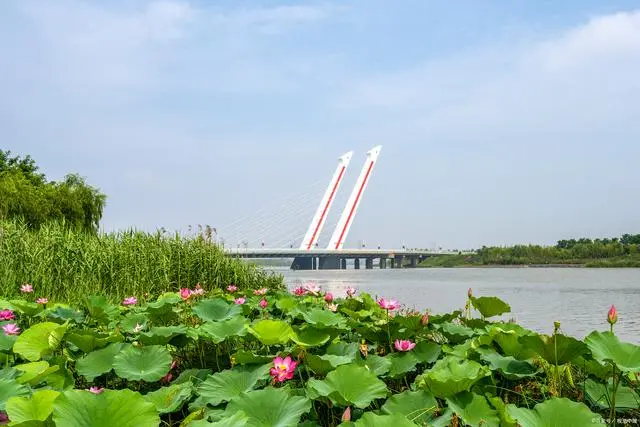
x=241 y=357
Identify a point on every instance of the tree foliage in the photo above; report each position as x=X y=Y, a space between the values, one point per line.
x=25 y=194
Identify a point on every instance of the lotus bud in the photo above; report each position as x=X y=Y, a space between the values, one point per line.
x=612 y=316
x=556 y=326
x=346 y=416
x=424 y=321
x=328 y=297
x=469 y=293
x=364 y=349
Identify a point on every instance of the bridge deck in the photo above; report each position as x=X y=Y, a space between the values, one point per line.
x=345 y=253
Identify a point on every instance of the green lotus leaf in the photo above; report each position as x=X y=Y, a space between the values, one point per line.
x=38 y=407
x=9 y=373
x=224 y=386
x=34 y=372
x=490 y=306
x=30 y=309
x=324 y=319
x=162 y=309
x=242 y=357
x=417 y=406
x=142 y=363
x=349 y=349
x=7 y=342
x=601 y=395
x=216 y=310
x=452 y=375
x=238 y=419
x=134 y=322
x=170 y=399
x=505 y=419
x=122 y=408
x=552 y=413
x=507 y=336
x=270 y=407
x=162 y=335
x=286 y=303
x=369 y=419
x=602 y=371
x=555 y=349
x=192 y=376
x=99 y=362
x=349 y=385
x=325 y=362
x=310 y=337
x=271 y=332
x=100 y=310
x=444 y=420
x=88 y=340
x=39 y=340
x=606 y=347
x=62 y=314
x=427 y=351
x=401 y=363
x=376 y=364
x=473 y=409
x=10 y=388
x=455 y=333
x=508 y=366
x=220 y=331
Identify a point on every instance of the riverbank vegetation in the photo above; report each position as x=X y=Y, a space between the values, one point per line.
x=259 y=357
x=615 y=252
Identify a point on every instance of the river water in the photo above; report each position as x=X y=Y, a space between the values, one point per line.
x=577 y=297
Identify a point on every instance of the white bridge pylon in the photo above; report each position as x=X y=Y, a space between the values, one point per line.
x=348 y=214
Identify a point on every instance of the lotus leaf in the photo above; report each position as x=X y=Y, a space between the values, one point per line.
x=508 y=366
x=224 y=386
x=27 y=308
x=376 y=364
x=270 y=407
x=552 y=413
x=599 y=395
x=606 y=347
x=323 y=319
x=555 y=349
x=507 y=336
x=142 y=363
x=7 y=342
x=88 y=340
x=238 y=419
x=310 y=337
x=220 y=331
x=39 y=340
x=369 y=419
x=99 y=362
x=63 y=314
x=38 y=407
x=401 y=363
x=349 y=385
x=162 y=335
x=455 y=333
x=243 y=357
x=417 y=406
x=122 y=408
x=452 y=375
x=216 y=310
x=34 y=372
x=170 y=399
x=100 y=310
x=325 y=362
x=490 y=306
x=271 y=332
x=9 y=388
x=473 y=409
x=427 y=351
x=132 y=322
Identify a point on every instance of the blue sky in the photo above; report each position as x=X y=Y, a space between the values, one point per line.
x=501 y=122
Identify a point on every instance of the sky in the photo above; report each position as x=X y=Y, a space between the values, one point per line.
x=500 y=122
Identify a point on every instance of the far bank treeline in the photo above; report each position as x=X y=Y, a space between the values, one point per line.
x=621 y=251
x=49 y=237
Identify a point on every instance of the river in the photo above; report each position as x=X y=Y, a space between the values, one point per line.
x=577 y=297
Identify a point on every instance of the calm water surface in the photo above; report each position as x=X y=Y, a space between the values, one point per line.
x=577 y=297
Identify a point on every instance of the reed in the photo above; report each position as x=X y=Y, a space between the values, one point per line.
x=68 y=265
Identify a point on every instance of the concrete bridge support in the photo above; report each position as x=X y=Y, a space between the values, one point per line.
x=398 y=261
x=343 y=263
x=383 y=262
x=356 y=263
x=413 y=262
x=329 y=263
x=369 y=263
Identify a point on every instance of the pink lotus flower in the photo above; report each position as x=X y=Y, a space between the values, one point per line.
x=232 y=288
x=351 y=291
x=328 y=297
x=167 y=378
x=263 y=303
x=346 y=416
x=312 y=289
x=130 y=301
x=42 y=300
x=95 y=390
x=425 y=319
x=332 y=307
x=26 y=288
x=261 y=291
x=404 y=345
x=185 y=293
x=388 y=304
x=7 y=315
x=283 y=368
x=11 y=329
x=197 y=290
x=4 y=418
x=299 y=291
x=612 y=316
x=240 y=300
x=174 y=365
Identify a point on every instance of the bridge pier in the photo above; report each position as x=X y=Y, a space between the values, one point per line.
x=413 y=262
x=383 y=262
x=398 y=261
x=302 y=263
x=368 y=263
x=314 y=263
x=356 y=263
x=343 y=263
x=329 y=263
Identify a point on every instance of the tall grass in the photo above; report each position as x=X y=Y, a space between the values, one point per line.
x=68 y=265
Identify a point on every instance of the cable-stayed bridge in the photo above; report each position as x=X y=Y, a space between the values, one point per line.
x=277 y=235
